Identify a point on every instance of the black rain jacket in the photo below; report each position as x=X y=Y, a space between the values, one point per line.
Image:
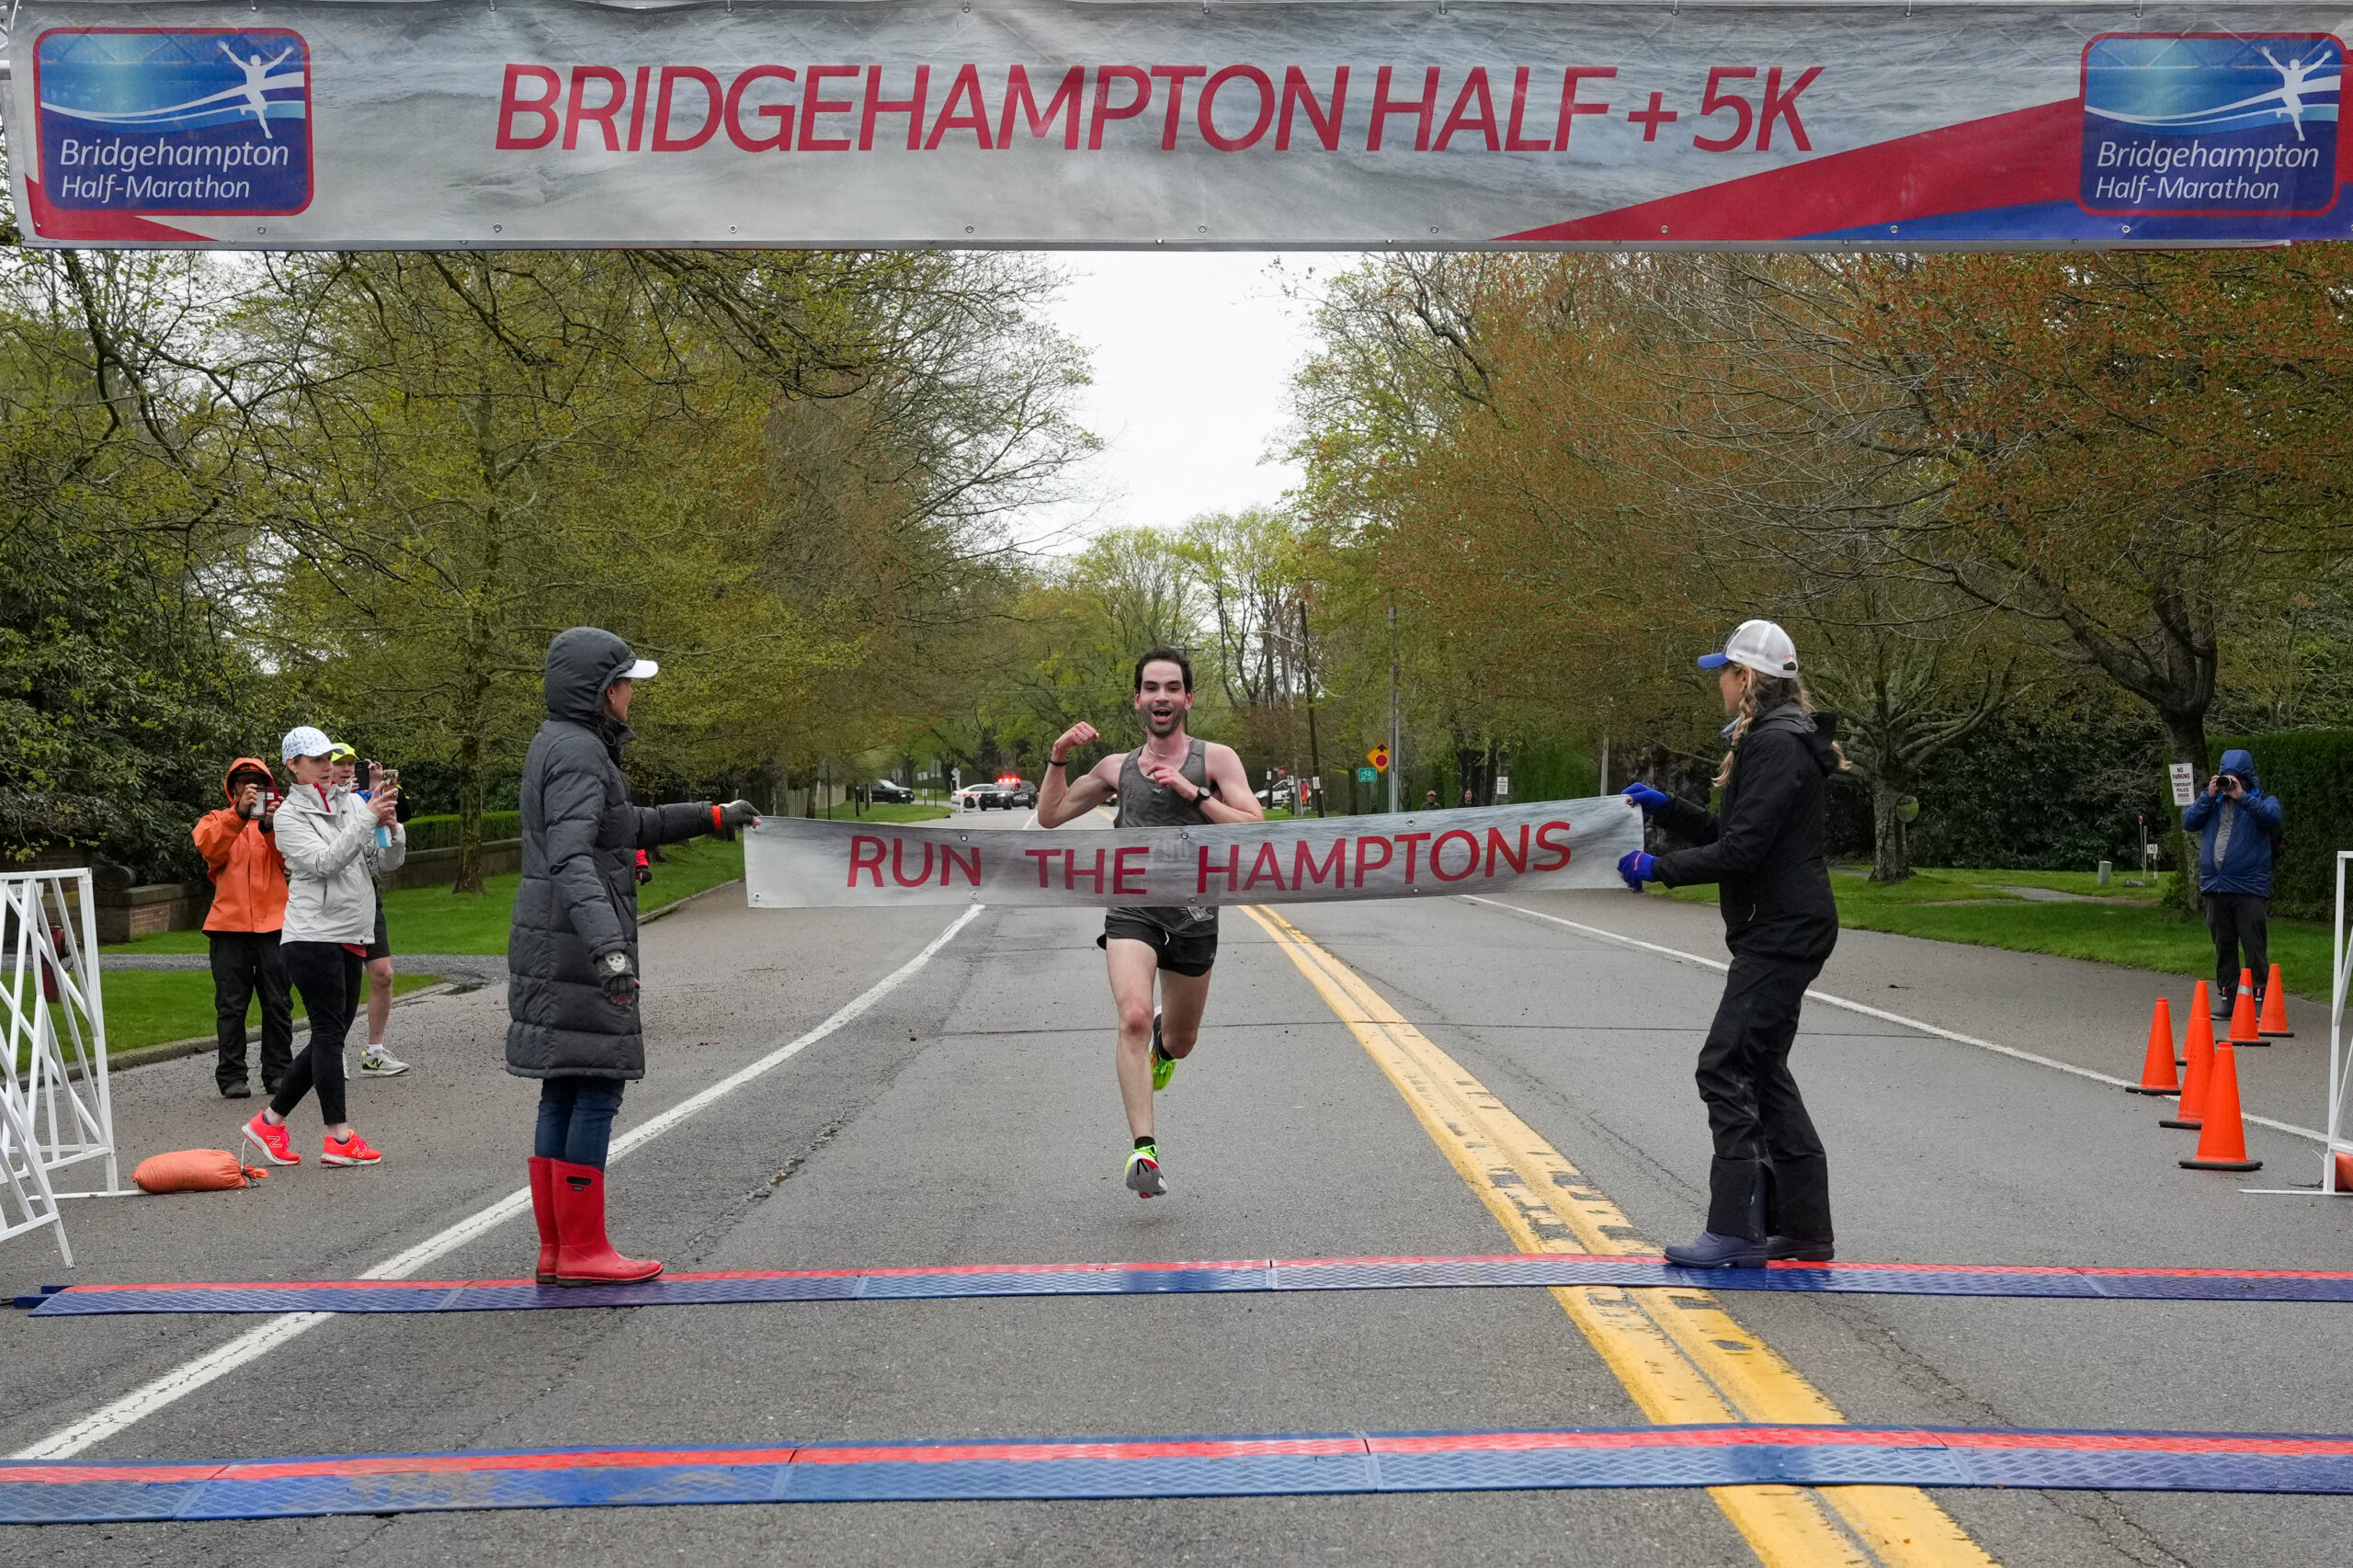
x=578 y=900
x=1764 y=849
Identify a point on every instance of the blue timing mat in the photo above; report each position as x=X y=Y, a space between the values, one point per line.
x=97 y=1490
x=1520 y=1270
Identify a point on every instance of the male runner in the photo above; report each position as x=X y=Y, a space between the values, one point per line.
x=1172 y=780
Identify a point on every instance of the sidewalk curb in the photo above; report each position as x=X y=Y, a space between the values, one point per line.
x=677 y=904
x=173 y=1050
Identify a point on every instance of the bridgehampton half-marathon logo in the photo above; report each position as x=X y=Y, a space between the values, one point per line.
x=2210 y=123
x=175 y=120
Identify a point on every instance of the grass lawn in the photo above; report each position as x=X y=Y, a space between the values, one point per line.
x=148 y=1007
x=2116 y=925
x=435 y=920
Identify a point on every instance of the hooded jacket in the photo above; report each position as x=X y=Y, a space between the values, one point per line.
x=2235 y=838
x=578 y=900
x=1763 y=847
x=241 y=856
x=328 y=837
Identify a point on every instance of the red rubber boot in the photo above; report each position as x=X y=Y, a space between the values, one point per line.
x=583 y=1256
x=544 y=1211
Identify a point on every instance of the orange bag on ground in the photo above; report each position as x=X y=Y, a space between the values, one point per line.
x=194 y=1170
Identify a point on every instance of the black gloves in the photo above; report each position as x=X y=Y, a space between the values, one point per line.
x=738 y=813
x=618 y=976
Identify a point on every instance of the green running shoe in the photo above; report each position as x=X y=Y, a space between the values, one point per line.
x=1143 y=1172
x=1163 y=1066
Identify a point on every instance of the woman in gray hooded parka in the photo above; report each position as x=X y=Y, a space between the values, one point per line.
x=572 y=954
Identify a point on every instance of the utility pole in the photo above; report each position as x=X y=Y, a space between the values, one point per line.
x=1314 y=753
x=1396 y=741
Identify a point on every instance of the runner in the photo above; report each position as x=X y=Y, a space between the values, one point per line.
x=1172 y=780
x=375 y=1061
x=257 y=82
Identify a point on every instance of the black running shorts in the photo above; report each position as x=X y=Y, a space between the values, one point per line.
x=1190 y=953
x=381 y=948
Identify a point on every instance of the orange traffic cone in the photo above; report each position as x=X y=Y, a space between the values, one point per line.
x=2222 y=1146
x=2243 y=1029
x=2156 y=1066
x=2345 y=1173
x=2191 y=1114
x=2273 y=1025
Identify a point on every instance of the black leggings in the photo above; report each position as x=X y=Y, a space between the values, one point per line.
x=1770 y=1168
x=328 y=980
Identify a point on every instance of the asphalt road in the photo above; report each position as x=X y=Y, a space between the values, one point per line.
x=971 y=1116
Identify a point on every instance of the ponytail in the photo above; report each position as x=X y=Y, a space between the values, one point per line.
x=1764 y=694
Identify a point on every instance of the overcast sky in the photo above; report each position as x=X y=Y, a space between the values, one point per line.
x=1192 y=354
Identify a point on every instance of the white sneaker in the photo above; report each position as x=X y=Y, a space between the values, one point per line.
x=376 y=1062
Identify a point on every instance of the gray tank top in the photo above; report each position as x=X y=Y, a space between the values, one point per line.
x=1144 y=804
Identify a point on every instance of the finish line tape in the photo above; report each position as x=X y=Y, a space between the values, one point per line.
x=95 y=1490
x=1521 y=1269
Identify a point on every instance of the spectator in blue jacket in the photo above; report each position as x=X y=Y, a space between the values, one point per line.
x=2238 y=826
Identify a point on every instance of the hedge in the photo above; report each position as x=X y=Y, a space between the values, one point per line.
x=2312 y=772
x=2043 y=792
x=441 y=832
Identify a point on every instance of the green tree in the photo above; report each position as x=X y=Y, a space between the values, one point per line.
x=124 y=535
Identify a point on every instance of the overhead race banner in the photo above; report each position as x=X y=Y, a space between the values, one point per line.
x=797 y=863
x=419 y=123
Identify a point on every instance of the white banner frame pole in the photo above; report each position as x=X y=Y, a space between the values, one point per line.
x=24 y=1173
x=59 y=1081
x=2338 y=1144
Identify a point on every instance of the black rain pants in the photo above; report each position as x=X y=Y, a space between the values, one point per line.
x=244 y=962
x=1770 y=1176
x=2241 y=923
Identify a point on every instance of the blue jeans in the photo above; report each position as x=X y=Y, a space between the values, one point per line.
x=577 y=1119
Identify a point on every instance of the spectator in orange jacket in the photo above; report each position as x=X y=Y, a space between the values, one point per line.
x=248 y=907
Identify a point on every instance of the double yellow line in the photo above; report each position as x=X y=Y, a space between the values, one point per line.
x=1680 y=1354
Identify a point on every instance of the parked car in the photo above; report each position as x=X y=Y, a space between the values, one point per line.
x=1018 y=795
x=969 y=797
x=889 y=792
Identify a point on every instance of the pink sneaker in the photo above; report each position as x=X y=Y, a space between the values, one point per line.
x=272 y=1141
x=351 y=1151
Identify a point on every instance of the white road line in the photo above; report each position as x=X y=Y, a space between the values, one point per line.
x=254 y=1342
x=1881 y=1013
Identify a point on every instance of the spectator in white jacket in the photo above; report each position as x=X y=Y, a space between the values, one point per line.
x=327 y=839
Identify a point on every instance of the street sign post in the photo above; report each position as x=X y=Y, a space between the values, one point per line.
x=1379 y=758
x=1368 y=774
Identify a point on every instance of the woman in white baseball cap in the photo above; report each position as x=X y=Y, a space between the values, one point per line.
x=1769 y=1186
x=328 y=839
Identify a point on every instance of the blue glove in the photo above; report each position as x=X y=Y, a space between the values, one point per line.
x=1637 y=869
x=1642 y=795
